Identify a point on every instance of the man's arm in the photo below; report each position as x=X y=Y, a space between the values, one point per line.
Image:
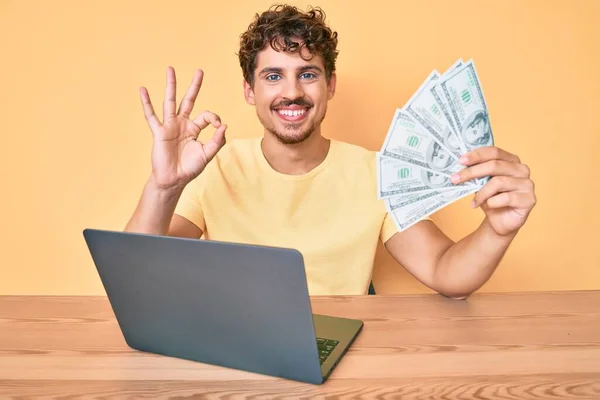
x=154 y=214
x=458 y=269
x=452 y=269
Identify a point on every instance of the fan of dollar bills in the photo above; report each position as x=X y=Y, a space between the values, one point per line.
x=445 y=118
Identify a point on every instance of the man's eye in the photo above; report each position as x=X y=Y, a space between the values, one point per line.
x=273 y=78
x=308 y=75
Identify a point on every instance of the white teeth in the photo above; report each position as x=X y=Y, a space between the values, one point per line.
x=290 y=113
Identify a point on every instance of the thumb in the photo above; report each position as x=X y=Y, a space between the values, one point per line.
x=218 y=140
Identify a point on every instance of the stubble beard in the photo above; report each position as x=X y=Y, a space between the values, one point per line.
x=297 y=135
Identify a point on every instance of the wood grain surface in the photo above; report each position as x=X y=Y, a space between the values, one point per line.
x=490 y=346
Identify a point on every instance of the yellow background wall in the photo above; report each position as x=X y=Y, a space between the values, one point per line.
x=76 y=148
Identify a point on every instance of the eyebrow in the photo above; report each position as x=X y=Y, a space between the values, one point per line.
x=304 y=68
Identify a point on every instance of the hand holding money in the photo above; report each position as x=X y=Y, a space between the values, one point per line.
x=443 y=128
x=509 y=196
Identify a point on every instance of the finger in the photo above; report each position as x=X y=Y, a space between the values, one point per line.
x=169 y=105
x=512 y=199
x=207 y=118
x=500 y=184
x=491 y=168
x=487 y=153
x=187 y=104
x=151 y=117
x=214 y=145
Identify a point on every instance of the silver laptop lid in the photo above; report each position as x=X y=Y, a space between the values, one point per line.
x=234 y=305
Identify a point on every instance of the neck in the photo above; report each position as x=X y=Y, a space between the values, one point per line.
x=295 y=159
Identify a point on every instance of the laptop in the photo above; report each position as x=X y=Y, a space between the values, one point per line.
x=233 y=305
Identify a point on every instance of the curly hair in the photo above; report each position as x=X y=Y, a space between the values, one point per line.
x=278 y=26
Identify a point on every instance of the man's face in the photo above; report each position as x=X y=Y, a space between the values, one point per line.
x=440 y=158
x=290 y=94
x=476 y=131
x=451 y=140
x=437 y=179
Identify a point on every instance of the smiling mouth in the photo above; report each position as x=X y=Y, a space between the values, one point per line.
x=292 y=115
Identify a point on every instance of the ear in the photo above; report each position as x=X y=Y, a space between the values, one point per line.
x=331 y=86
x=249 y=93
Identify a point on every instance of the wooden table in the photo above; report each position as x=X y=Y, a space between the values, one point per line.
x=496 y=346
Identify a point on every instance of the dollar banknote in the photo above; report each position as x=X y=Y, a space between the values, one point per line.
x=453 y=143
x=395 y=177
x=445 y=118
x=457 y=63
x=395 y=202
x=410 y=214
x=433 y=116
x=464 y=95
x=409 y=142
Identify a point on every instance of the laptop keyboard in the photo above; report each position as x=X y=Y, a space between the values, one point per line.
x=325 y=347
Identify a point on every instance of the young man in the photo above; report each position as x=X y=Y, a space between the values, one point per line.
x=295 y=188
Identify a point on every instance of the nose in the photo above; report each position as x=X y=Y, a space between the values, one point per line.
x=293 y=89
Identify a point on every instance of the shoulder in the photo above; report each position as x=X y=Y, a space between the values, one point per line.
x=353 y=155
x=235 y=154
x=237 y=149
x=357 y=168
x=233 y=157
x=352 y=149
x=355 y=164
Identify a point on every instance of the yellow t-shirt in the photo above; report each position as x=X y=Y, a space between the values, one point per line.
x=330 y=214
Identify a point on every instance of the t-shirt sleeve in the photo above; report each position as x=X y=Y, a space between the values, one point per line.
x=388 y=229
x=189 y=205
